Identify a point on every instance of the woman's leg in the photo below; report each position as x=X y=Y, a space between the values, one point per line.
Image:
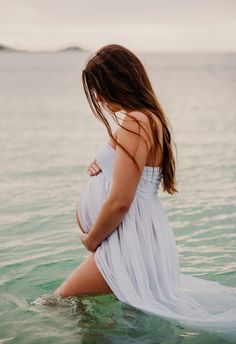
x=85 y=279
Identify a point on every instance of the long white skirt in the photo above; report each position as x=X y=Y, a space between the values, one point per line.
x=140 y=263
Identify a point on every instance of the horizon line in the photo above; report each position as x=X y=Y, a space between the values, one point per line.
x=79 y=49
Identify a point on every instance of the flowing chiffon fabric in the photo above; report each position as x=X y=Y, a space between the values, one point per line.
x=140 y=262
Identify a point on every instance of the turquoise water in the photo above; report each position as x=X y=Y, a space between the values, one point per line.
x=49 y=136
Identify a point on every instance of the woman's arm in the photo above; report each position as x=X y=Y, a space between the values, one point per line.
x=110 y=216
x=125 y=178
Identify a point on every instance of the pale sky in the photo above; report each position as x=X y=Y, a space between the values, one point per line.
x=145 y=26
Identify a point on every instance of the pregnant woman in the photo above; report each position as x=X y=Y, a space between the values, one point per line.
x=123 y=224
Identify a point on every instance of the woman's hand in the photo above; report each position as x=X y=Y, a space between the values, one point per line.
x=94 y=169
x=86 y=242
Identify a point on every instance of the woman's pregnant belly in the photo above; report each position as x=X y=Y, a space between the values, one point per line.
x=92 y=196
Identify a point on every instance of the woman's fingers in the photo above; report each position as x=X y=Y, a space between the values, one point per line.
x=96 y=164
x=94 y=168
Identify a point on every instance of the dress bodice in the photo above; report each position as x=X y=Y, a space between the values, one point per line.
x=150 y=179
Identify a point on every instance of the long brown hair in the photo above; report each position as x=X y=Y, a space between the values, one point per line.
x=116 y=75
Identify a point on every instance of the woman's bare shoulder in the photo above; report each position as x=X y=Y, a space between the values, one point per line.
x=133 y=116
x=144 y=121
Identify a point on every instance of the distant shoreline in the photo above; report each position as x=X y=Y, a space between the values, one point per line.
x=76 y=49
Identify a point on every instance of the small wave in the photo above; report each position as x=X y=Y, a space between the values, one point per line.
x=52 y=299
x=4 y=340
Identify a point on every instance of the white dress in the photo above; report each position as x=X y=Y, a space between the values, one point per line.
x=140 y=262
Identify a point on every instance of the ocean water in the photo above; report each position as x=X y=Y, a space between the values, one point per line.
x=48 y=137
